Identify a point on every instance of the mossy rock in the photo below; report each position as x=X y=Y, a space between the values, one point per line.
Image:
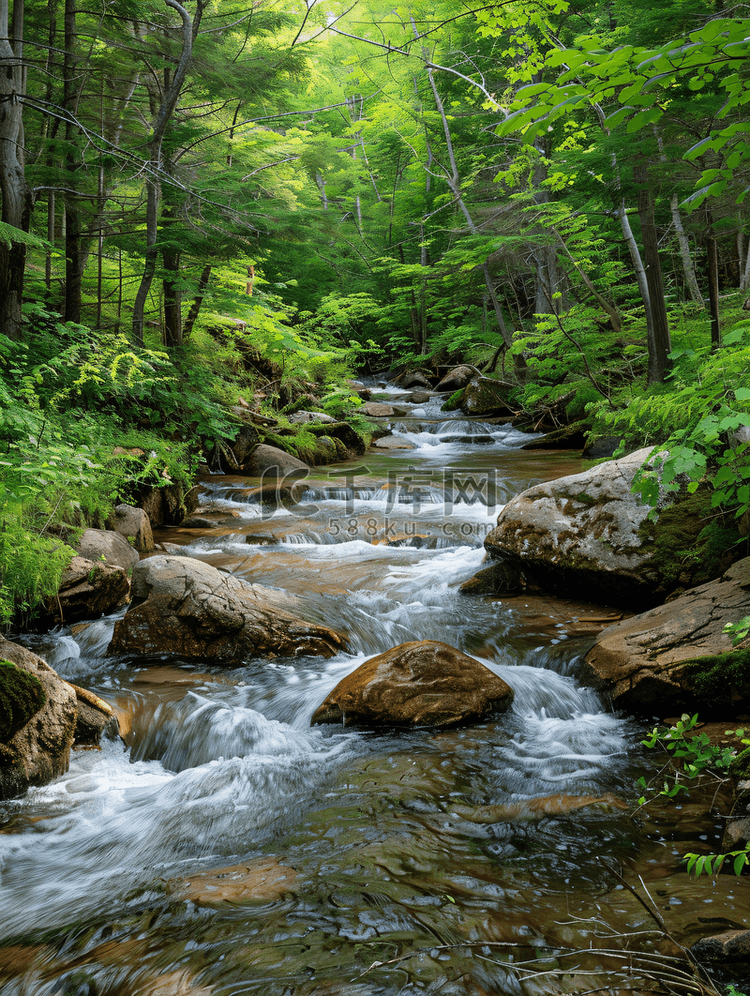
x=453 y=401
x=21 y=697
x=740 y=766
x=689 y=544
x=720 y=682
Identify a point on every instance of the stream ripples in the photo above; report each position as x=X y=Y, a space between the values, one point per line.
x=138 y=870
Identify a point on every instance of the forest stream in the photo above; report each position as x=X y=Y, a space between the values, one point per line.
x=472 y=860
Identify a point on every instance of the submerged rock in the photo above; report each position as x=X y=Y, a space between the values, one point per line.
x=422 y=683
x=183 y=606
x=261 y=880
x=677 y=657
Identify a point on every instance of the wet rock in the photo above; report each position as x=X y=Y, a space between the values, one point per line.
x=422 y=683
x=233 y=455
x=262 y=880
x=94 y=719
x=501 y=578
x=269 y=461
x=569 y=437
x=537 y=808
x=38 y=750
x=419 y=397
x=588 y=535
x=342 y=432
x=107 y=547
x=132 y=523
x=602 y=447
x=677 y=657
x=88 y=590
x=392 y=443
x=197 y=522
x=737 y=828
x=185 y=607
x=731 y=945
x=413 y=378
x=376 y=409
x=457 y=378
x=278 y=493
x=482 y=396
x=303 y=417
x=169 y=505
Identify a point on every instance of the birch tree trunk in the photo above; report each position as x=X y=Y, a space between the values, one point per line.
x=454 y=182
x=660 y=345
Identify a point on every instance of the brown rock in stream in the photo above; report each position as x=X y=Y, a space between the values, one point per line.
x=39 y=750
x=185 y=607
x=88 y=589
x=256 y=881
x=422 y=683
x=677 y=657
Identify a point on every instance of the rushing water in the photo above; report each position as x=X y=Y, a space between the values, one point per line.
x=450 y=856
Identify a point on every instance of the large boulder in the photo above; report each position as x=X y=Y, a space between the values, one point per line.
x=132 y=523
x=424 y=683
x=482 y=396
x=589 y=536
x=88 y=589
x=677 y=657
x=457 y=378
x=182 y=606
x=108 y=547
x=270 y=461
x=38 y=713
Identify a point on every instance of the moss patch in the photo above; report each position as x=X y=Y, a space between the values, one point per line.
x=21 y=696
x=453 y=401
x=719 y=681
x=689 y=544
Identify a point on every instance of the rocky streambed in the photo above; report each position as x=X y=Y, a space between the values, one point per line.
x=227 y=844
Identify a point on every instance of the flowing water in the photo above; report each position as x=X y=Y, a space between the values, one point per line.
x=225 y=846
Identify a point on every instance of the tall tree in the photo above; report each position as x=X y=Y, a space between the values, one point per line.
x=14 y=188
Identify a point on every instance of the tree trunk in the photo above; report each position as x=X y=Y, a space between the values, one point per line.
x=195 y=307
x=712 y=252
x=16 y=195
x=687 y=260
x=638 y=267
x=73 y=275
x=660 y=346
x=170 y=96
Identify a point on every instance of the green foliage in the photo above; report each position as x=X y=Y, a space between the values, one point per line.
x=636 y=85
x=694 y=419
x=696 y=756
x=739 y=630
x=694 y=751
x=21 y=696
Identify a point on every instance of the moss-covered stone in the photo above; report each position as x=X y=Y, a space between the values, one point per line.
x=21 y=697
x=453 y=402
x=719 y=681
x=740 y=766
x=688 y=543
